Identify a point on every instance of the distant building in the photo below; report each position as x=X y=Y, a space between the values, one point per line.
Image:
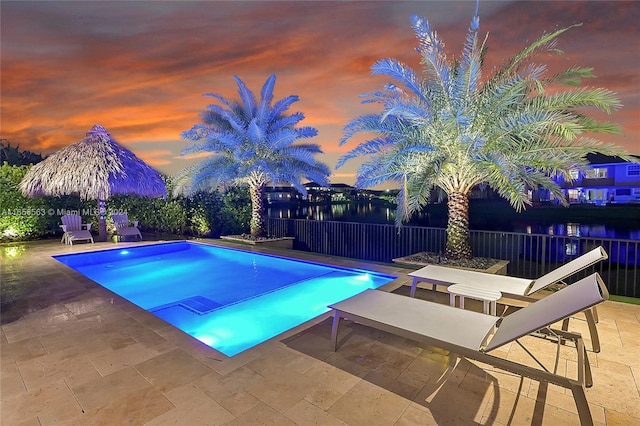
x=608 y=180
x=333 y=193
x=282 y=195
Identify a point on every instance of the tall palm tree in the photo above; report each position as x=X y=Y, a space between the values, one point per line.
x=451 y=130
x=252 y=143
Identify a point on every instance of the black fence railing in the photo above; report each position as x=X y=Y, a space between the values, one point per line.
x=529 y=255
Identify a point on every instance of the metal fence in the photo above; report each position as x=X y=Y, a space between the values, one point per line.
x=529 y=255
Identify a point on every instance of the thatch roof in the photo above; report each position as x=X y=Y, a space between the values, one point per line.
x=95 y=168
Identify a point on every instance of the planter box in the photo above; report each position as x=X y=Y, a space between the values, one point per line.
x=500 y=268
x=284 y=242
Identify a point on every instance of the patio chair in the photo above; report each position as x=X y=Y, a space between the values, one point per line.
x=472 y=335
x=520 y=289
x=125 y=228
x=74 y=229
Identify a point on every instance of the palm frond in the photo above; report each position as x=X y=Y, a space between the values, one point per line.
x=254 y=132
x=286 y=121
x=544 y=42
x=400 y=72
x=602 y=99
x=311 y=147
x=368 y=123
x=281 y=138
x=281 y=106
x=224 y=101
x=248 y=99
x=573 y=76
x=306 y=132
x=372 y=146
x=469 y=70
x=431 y=49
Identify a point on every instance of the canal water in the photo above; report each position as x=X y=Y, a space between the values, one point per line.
x=604 y=222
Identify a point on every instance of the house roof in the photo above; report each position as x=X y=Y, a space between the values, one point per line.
x=606 y=159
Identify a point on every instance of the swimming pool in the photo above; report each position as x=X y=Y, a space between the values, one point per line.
x=229 y=299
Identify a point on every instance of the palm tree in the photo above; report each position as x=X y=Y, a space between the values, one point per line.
x=450 y=130
x=252 y=143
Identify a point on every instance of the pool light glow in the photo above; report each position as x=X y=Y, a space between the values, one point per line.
x=228 y=299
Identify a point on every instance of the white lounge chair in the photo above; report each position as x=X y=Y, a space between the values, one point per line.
x=472 y=334
x=74 y=229
x=125 y=228
x=513 y=287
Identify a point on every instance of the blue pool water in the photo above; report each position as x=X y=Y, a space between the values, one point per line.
x=229 y=299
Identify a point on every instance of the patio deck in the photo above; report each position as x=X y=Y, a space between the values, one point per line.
x=73 y=353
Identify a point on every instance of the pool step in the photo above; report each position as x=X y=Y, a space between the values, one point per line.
x=197 y=304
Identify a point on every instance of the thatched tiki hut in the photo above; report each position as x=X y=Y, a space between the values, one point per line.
x=95 y=168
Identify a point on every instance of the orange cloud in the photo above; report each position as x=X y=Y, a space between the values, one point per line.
x=140 y=68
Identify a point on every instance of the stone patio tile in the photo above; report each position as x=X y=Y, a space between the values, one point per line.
x=68 y=364
x=101 y=391
x=262 y=415
x=29 y=422
x=172 y=369
x=86 y=303
x=281 y=389
x=112 y=360
x=24 y=350
x=240 y=403
x=332 y=378
x=82 y=341
x=51 y=404
x=416 y=415
x=619 y=419
x=615 y=388
x=11 y=383
x=322 y=397
x=129 y=327
x=45 y=321
x=220 y=387
x=192 y=406
x=305 y=413
x=95 y=319
x=129 y=408
x=506 y=407
x=449 y=403
x=369 y=405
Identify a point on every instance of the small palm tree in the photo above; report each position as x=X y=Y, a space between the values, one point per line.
x=253 y=144
x=448 y=129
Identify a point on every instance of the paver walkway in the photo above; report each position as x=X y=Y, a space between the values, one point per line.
x=73 y=353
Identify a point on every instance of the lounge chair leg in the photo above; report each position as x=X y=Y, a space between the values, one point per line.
x=581 y=404
x=414 y=284
x=334 y=330
x=588 y=378
x=593 y=330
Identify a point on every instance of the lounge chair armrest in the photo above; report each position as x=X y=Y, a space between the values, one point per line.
x=135 y=223
x=87 y=225
x=64 y=228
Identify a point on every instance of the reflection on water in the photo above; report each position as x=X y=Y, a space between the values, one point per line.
x=579 y=230
x=379 y=213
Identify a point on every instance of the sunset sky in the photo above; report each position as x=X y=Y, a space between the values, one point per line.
x=140 y=68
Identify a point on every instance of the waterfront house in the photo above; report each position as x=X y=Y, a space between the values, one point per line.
x=608 y=180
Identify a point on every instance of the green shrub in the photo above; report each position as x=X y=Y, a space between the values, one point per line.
x=205 y=214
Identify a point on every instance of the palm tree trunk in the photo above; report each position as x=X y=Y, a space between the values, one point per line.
x=258 y=212
x=458 y=243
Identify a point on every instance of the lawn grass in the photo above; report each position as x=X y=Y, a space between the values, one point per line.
x=625 y=299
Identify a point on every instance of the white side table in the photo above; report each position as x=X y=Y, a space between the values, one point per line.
x=487 y=296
